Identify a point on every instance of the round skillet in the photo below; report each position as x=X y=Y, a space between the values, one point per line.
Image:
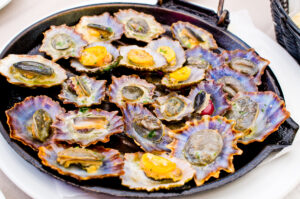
x=29 y=40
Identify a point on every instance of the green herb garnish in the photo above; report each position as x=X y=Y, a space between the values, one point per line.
x=151 y=134
x=83 y=109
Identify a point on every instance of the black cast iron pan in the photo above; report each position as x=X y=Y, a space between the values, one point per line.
x=166 y=13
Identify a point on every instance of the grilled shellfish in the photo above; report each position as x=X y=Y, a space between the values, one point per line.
x=31 y=71
x=139 y=58
x=257 y=115
x=209 y=145
x=146 y=130
x=171 y=50
x=139 y=26
x=183 y=77
x=246 y=62
x=62 y=42
x=190 y=36
x=172 y=107
x=233 y=81
x=99 y=28
x=130 y=89
x=81 y=163
x=145 y=171
x=207 y=91
x=97 y=57
x=87 y=126
x=82 y=91
x=30 y=120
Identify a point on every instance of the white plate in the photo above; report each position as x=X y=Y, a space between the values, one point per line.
x=271 y=180
x=3 y=3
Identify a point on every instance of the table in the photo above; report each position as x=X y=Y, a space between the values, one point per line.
x=19 y=14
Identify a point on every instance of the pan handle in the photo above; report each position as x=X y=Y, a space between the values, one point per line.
x=220 y=19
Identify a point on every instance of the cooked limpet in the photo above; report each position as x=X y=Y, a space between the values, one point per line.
x=31 y=71
x=29 y=121
x=62 y=42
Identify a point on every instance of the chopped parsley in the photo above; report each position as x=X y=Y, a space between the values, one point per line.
x=83 y=109
x=262 y=110
x=242 y=112
x=109 y=29
x=189 y=45
x=151 y=134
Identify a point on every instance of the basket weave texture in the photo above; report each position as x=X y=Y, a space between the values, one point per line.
x=287 y=33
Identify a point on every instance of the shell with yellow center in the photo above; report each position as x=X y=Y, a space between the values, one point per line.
x=151 y=175
x=171 y=50
x=183 y=77
x=82 y=164
x=99 y=28
x=144 y=59
x=97 y=57
x=209 y=145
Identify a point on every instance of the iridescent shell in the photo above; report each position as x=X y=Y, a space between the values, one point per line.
x=87 y=26
x=92 y=91
x=148 y=28
x=158 y=59
x=195 y=77
x=139 y=90
x=172 y=107
x=87 y=126
x=88 y=69
x=233 y=81
x=31 y=71
x=203 y=58
x=20 y=119
x=62 y=42
x=112 y=163
x=270 y=115
x=218 y=97
x=248 y=56
x=135 y=178
x=175 y=46
x=204 y=38
x=148 y=140
x=218 y=157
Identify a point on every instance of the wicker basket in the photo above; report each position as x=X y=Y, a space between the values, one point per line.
x=287 y=33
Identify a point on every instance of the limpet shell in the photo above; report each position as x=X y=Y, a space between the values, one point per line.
x=19 y=119
x=223 y=161
x=135 y=178
x=73 y=126
x=112 y=163
x=68 y=43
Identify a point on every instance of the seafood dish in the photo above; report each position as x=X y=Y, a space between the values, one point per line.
x=183 y=109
